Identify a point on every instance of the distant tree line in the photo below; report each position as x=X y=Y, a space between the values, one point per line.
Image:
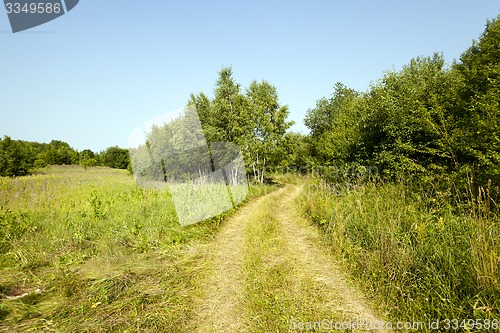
x=20 y=158
x=429 y=122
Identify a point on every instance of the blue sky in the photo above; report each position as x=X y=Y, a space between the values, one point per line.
x=93 y=75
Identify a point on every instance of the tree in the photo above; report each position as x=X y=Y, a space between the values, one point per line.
x=255 y=121
x=479 y=115
x=407 y=123
x=228 y=108
x=264 y=144
x=59 y=153
x=297 y=152
x=14 y=158
x=211 y=125
x=115 y=157
x=334 y=126
x=87 y=158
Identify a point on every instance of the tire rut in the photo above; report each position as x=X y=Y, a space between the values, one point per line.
x=221 y=307
x=303 y=240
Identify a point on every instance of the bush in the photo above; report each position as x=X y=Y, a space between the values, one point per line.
x=14 y=158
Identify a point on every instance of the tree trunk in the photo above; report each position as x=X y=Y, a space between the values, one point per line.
x=263 y=170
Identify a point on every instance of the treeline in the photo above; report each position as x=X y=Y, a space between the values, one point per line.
x=20 y=158
x=429 y=122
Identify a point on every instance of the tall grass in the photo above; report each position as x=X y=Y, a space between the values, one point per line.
x=421 y=262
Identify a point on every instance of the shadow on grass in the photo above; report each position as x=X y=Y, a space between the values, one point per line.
x=3 y=312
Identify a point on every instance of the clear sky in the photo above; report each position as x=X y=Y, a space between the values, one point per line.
x=93 y=75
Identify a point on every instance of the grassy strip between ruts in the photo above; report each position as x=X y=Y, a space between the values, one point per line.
x=95 y=253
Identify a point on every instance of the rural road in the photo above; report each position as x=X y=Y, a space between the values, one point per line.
x=268 y=272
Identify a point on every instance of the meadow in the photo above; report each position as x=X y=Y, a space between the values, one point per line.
x=88 y=250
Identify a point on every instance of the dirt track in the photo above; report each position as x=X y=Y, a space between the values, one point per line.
x=314 y=283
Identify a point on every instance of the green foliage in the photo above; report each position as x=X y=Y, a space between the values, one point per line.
x=334 y=125
x=115 y=157
x=406 y=121
x=87 y=158
x=228 y=107
x=432 y=123
x=14 y=158
x=296 y=151
x=254 y=120
x=480 y=110
x=60 y=153
x=265 y=144
x=175 y=150
x=20 y=158
x=40 y=163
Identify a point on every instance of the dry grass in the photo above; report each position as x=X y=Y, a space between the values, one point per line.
x=220 y=307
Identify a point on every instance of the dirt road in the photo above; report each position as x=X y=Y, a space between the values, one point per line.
x=268 y=272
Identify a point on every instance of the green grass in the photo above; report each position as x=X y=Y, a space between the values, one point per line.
x=105 y=254
x=422 y=263
x=267 y=273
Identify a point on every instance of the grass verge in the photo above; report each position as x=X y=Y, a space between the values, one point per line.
x=422 y=263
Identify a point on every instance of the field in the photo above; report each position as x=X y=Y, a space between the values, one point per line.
x=88 y=250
